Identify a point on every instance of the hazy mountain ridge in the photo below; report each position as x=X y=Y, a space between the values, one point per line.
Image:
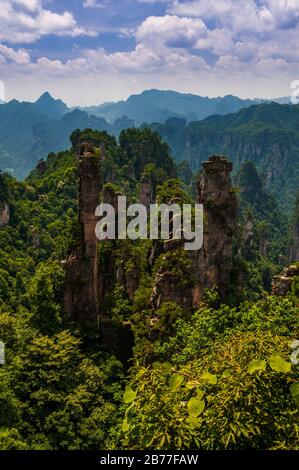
x=29 y=131
x=159 y=105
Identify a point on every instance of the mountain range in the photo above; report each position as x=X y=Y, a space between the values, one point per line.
x=30 y=131
x=159 y=105
x=265 y=133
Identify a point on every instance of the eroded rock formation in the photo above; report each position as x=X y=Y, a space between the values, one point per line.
x=147 y=193
x=4 y=214
x=193 y=272
x=282 y=284
x=41 y=167
x=174 y=280
x=220 y=204
x=4 y=206
x=294 y=255
x=81 y=297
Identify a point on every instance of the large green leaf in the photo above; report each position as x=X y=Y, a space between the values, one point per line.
x=175 y=381
x=195 y=407
x=125 y=425
x=129 y=395
x=227 y=373
x=156 y=365
x=277 y=363
x=166 y=367
x=295 y=392
x=210 y=378
x=257 y=365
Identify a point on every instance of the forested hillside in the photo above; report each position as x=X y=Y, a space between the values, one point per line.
x=266 y=135
x=155 y=367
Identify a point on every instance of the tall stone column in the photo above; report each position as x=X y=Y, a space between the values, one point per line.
x=4 y=214
x=4 y=207
x=294 y=253
x=220 y=214
x=295 y=244
x=81 y=296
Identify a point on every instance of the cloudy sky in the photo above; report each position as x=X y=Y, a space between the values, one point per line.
x=90 y=51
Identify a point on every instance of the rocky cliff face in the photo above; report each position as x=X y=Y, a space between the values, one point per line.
x=147 y=193
x=174 y=281
x=4 y=214
x=282 y=284
x=190 y=273
x=220 y=203
x=81 y=297
x=182 y=276
x=4 y=207
x=294 y=253
x=295 y=244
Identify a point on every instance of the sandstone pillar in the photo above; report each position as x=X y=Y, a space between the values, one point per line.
x=81 y=297
x=220 y=213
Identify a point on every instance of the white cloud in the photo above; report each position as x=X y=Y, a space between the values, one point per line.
x=171 y=30
x=242 y=15
x=237 y=15
x=19 y=57
x=154 y=1
x=229 y=46
x=204 y=8
x=27 y=26
x=31 y=5
x=218 y=41
x=95 y=3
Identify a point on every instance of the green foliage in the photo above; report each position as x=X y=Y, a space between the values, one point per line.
x=45 y=294
x=10 y=439
x=220 y=376
x=295 y=392
x=242 y=405
x=56 y=397
x=142 y=147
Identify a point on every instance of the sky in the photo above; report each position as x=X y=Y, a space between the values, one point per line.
x=90 y=51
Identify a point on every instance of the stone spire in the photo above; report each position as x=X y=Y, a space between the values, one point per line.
x=210 y=266
x=4 y=214
x=294 y=254
x=81 y=296
x=295 y=245
x=4 y=207
x=282 y=284
x=220 y=214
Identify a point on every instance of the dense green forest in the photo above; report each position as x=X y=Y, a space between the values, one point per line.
x=216 y=377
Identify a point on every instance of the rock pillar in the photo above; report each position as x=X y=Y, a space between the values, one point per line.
x=81 y=297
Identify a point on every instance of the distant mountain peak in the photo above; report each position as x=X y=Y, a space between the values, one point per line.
x=51 y=107
x=48 y=99
x=45 y=96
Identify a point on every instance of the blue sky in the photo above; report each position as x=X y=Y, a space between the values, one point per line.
x=90 y=51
